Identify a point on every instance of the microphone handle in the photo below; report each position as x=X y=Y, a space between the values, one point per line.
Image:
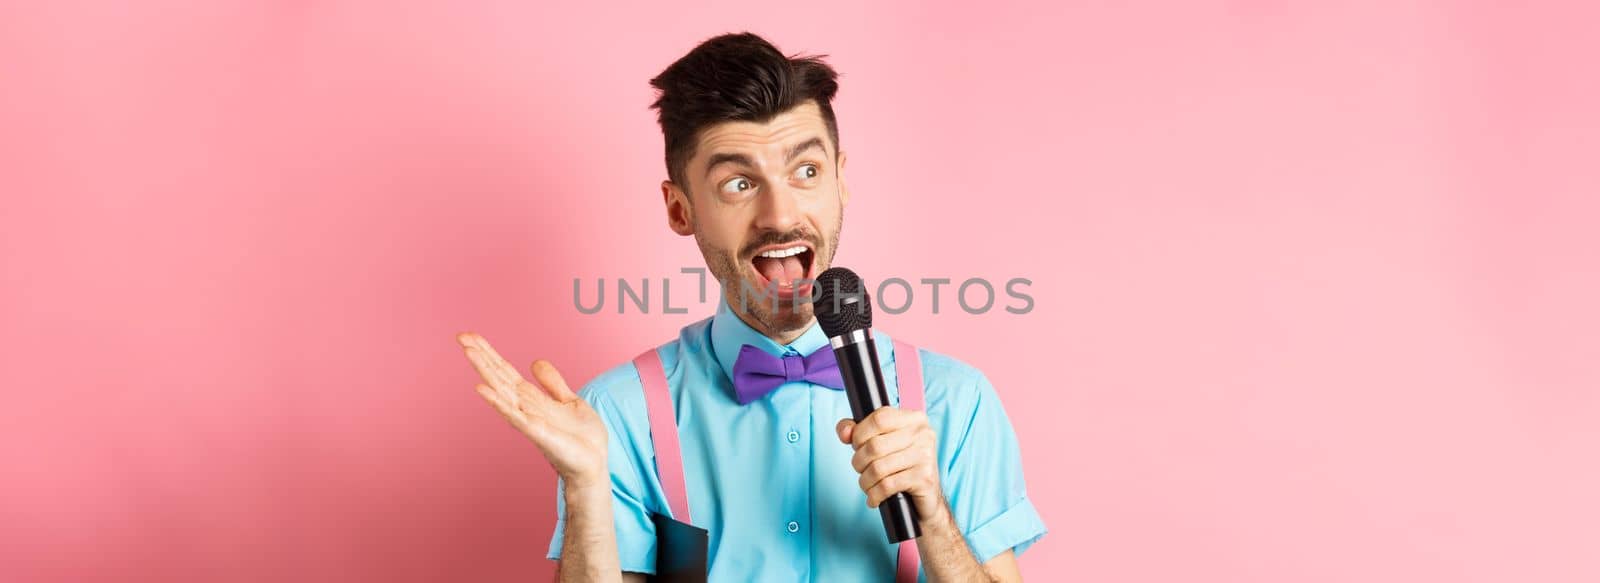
x=863 y=383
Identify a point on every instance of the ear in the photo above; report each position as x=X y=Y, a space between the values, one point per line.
x=844 y=190
x=680 y=216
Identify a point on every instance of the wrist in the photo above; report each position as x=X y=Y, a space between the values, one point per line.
x=937 y=518
x=585 y=489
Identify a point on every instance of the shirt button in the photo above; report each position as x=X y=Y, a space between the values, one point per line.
x=794 y=526
x=793 y=436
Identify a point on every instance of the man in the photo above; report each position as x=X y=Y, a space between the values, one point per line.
x=755 y=175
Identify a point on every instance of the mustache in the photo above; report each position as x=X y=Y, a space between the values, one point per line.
x=766 y=238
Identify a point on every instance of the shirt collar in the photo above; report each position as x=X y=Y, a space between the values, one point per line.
x=729 y=334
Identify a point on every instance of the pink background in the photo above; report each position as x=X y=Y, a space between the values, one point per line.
x=1315 y=285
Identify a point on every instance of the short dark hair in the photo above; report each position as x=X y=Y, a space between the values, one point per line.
x=736 y=77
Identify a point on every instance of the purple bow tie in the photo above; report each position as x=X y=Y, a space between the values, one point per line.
x=756 y=373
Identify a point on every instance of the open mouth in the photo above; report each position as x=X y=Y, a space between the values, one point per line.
x=785 y=265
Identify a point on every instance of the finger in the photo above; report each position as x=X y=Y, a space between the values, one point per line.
x=843 y=430
x=486 y=368
x=893 y=484
x=882 y=445
x=492 y=397
x=883 y=467
x=548 y=377
x=482 y=361
x=883 y=420
x=532 y=398
x=525 y=418
x=515 y=393
x=875 y=423
x=507 y=410
x=507 y=372
x=493 y=367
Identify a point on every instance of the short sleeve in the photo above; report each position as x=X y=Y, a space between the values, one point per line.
x=631 y=500
x=982 y=462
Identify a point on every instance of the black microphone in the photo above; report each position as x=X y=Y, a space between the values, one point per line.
x=845 y=313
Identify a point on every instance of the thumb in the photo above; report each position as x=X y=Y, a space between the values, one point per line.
x=844 y=429
x=548 y=377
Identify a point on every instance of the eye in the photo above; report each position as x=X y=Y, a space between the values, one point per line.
x=807 y=171
x=737 y=185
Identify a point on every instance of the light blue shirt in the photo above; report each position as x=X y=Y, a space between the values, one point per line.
x=770 y=480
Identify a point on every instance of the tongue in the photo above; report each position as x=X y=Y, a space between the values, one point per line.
x=783 y=271
x=792 y=268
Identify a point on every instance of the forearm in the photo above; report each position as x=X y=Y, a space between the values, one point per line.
x=944 y=552
x=589 y=545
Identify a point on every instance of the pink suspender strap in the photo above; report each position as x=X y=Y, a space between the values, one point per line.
x=664 y=433
x=908 y=369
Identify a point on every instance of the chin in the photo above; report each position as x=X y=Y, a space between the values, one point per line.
x=790 y=318
x=789 y=315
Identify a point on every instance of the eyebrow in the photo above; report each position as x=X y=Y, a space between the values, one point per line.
x=743 y=160
x=803 y=146
x=727 y=158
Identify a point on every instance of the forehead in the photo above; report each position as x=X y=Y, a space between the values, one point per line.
x=766 y=139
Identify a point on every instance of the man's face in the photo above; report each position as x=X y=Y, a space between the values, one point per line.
x=765 y=204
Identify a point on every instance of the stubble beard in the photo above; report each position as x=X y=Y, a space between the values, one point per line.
x=753 y=307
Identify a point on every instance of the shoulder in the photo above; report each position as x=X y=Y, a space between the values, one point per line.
x=960 y=400
x=619 y=388
x=950 y=370
x=619 y=383
x=618 y=397
x=950 y=381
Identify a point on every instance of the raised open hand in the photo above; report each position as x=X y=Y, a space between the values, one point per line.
x=567 y=430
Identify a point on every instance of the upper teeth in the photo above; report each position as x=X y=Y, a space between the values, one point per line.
x=781 y=253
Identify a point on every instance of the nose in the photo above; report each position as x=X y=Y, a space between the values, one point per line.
x=779 y=210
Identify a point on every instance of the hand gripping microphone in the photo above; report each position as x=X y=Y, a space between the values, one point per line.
x=845 y=313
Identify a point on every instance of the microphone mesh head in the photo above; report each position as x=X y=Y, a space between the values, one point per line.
x=842 y=306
